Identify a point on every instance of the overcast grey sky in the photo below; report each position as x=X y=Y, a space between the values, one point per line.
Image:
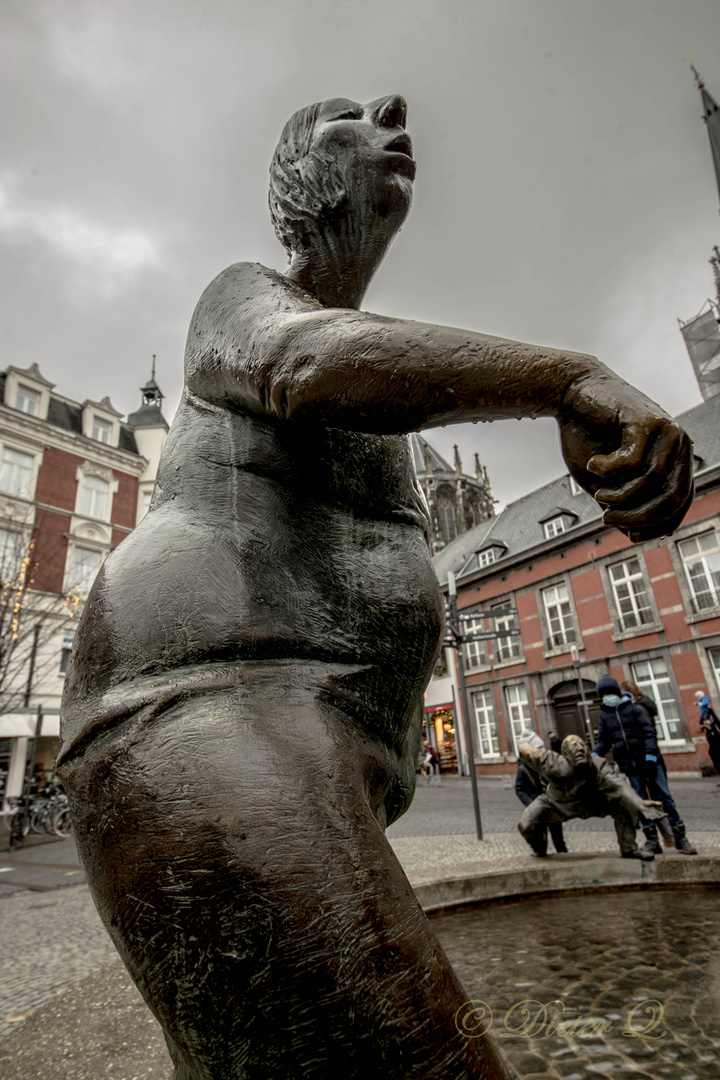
x=564 y=196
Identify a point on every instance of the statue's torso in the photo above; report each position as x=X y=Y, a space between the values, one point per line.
x=270 y=539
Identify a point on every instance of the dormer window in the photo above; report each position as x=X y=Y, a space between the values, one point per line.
x=490 y=554
x=101 y=430
x=101 y=422
x=27 y=400
x=558 y=520
x=555 y=526
x=28 y=391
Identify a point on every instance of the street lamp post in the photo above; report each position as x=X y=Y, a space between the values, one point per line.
x=586 y=712
x=453 y=624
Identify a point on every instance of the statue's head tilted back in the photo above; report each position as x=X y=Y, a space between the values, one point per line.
x=339 y=163
x=575 y=750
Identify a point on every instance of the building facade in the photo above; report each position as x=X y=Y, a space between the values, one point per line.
x=74 y=481
x=585 y=601
x=456 y=500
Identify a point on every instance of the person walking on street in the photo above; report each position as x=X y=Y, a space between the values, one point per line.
x=432 y=764
x=530 y=784
x=626 y=728
x=710 y=726
x=555 y=741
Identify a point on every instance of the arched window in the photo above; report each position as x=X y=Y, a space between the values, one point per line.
x=94 y=497
x=446 y=520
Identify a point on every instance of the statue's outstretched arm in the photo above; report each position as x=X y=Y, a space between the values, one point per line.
x=616 y=785
x=256 y=341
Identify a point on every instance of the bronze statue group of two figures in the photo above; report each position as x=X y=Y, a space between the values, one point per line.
x=239 y=719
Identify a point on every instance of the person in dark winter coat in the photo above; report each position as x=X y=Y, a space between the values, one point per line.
x=529 y=785
x=626 y=728
x=710 y=726
x=647 y=703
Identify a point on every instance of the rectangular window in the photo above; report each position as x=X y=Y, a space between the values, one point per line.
x=487 y=743
x=505 y=648
x=11 y=556
x=101 y=430
x=554 y=527
x=27 y=400
x=558 y=613
x=631 y=598
x=67 y=644
x=476 y=655
x=93 y=497
x=714 y=655
x=701 y=557
x=16 y=472
x=486 y=558
x=652 y=677
x=518 y=708
x=84 y=566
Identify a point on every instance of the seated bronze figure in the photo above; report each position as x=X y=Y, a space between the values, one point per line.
x=239 y=718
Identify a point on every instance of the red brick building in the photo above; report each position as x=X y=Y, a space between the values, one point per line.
x=588 y=602
x=74 y=481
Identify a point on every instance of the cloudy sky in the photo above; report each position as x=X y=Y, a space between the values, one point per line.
x=565 y=192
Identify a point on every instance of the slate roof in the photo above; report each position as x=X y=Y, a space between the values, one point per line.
x=147 y=416
x=68 y=416
x=519 y=525
x=702 y=424
x=418 y=444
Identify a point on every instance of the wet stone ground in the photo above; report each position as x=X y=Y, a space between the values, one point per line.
x=623 y=984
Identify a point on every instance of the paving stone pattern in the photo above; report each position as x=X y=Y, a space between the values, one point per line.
x=48 y=941
x=598 y=958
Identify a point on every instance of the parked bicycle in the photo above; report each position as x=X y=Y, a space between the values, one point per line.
x=49 y=813
x=45 y=812
x=17 y=821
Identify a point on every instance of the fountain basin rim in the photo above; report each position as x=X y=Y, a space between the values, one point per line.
x=563 y=875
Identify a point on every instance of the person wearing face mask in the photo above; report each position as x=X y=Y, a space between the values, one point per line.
x=626 y=728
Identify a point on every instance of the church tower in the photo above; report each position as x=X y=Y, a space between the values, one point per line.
x=150 y=429
x=456 y=500
x=702 y=333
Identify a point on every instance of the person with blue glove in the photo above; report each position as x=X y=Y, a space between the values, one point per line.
x=626 y=728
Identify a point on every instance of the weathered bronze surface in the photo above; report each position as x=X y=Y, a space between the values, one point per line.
x=238 y=719
x=583 y=786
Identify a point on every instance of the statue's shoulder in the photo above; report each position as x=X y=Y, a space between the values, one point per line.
x=241 y=284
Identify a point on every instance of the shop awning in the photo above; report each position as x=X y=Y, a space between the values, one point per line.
x=16 y=725
x=20 y=725
x=439 y=708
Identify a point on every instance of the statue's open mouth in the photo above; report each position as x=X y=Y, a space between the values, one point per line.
x=401 y=145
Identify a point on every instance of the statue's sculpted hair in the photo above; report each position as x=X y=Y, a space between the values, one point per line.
x=305 y=185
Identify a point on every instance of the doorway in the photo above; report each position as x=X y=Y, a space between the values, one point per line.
x=567 y=707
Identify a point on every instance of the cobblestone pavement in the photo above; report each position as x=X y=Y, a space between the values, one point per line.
x=634 y=977
x=48 y=942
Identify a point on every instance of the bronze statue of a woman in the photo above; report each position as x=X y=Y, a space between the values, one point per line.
x=238 y=719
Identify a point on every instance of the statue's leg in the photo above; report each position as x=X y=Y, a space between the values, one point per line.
x=234 y=854
x=625 y=827
x=533 y=824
